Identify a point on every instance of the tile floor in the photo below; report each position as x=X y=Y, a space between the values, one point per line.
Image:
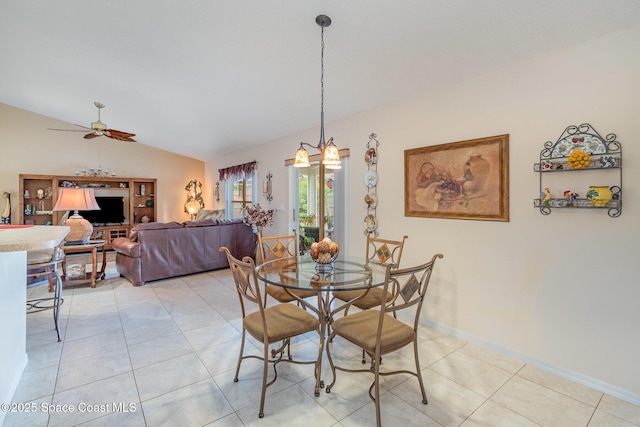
x=165 y=354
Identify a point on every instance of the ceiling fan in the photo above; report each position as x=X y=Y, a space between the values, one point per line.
x=100 y=129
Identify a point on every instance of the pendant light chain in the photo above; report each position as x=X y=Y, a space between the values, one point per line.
x=322 y=140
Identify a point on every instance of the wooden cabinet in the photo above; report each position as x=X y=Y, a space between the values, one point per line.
x=144 y=200
x=38 y=196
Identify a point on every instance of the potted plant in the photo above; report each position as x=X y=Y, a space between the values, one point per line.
x=307 y=220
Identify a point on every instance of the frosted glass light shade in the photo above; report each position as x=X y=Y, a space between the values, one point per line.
x=331 y=156
x=302 y=158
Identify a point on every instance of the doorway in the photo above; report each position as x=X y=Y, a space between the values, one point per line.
x=319 y=202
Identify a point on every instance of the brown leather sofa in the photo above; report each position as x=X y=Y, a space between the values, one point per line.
x=155 y=251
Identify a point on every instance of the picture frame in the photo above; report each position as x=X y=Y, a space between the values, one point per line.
x=458 y=180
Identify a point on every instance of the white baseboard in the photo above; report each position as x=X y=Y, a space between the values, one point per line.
x=576 y=377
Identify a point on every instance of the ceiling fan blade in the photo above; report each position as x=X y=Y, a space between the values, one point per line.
x=120 y=135
x=91 y=135
x=119 y=132
x=70 y=130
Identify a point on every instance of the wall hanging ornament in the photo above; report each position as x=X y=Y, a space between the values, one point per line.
x=266 y=187
x=371 y=182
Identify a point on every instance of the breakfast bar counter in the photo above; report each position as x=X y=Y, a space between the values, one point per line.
x=15 y=241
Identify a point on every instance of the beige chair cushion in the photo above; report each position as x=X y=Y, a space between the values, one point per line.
x=39 y=256
x=280 y=294
x=361 y=328
x=283 y=321
x=372 y=299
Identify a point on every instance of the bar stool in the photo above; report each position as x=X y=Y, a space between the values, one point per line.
x=47 y=261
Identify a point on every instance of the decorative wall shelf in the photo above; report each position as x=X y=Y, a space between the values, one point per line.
x=581 y=149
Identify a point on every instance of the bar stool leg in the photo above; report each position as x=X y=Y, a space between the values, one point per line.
x=54 y=276
x=57 y=279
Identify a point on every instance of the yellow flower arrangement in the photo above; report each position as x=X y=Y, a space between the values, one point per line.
x=578 y=160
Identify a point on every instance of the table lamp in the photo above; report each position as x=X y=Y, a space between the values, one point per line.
x=192 y=208
x=77 y=199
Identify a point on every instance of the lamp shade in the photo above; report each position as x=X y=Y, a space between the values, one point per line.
x=77 y=199
x=193 y=207
x=331 y=156
x=302 y=158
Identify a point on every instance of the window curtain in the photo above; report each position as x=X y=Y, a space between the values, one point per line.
x=234 y=173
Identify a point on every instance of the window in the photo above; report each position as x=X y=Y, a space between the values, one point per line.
x=239 y=193
x=240 y=188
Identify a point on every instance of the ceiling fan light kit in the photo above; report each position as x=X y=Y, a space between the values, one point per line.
x=98 y=127
x=330 y=152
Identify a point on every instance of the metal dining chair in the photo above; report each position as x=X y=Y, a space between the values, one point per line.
x=281 y=248
x=378 y=332
x=379 y=251
x=269 y=325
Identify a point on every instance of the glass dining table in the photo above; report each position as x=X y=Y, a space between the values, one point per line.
x=346 y=273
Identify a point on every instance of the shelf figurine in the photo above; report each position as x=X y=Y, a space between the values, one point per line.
x=6 y=213
x=546 y=197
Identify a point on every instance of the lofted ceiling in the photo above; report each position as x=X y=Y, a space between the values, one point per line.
x=199 y=77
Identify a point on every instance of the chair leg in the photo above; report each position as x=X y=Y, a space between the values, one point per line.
x=265 y=369
x=333 y=367
x=235 y=379
x=51 y=280
x=376 y=380
x=419 y=372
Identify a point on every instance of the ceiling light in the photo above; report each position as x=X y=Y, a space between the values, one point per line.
x=330 y=153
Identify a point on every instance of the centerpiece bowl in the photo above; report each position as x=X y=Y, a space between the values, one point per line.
x=324 y=253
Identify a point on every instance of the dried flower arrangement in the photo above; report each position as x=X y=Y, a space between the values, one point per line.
x=256 y=216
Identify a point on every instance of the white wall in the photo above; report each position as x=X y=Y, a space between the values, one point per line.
x=13 y=300
x=560 y=291
x=27 y=147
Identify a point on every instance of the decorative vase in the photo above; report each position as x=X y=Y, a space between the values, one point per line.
x=144 y=219
x=600 y=195
x=257 y=230
x=476 y=172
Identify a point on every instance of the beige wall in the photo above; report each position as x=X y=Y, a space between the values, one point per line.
x=26 y=146
x=559 y=291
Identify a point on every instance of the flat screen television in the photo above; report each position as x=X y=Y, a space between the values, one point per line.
x=111 y=211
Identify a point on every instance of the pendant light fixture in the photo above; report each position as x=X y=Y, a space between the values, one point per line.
x=330 y=154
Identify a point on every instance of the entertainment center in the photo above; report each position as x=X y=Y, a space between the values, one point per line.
x=124 y=202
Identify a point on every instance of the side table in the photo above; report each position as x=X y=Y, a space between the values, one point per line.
x=95 y=274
